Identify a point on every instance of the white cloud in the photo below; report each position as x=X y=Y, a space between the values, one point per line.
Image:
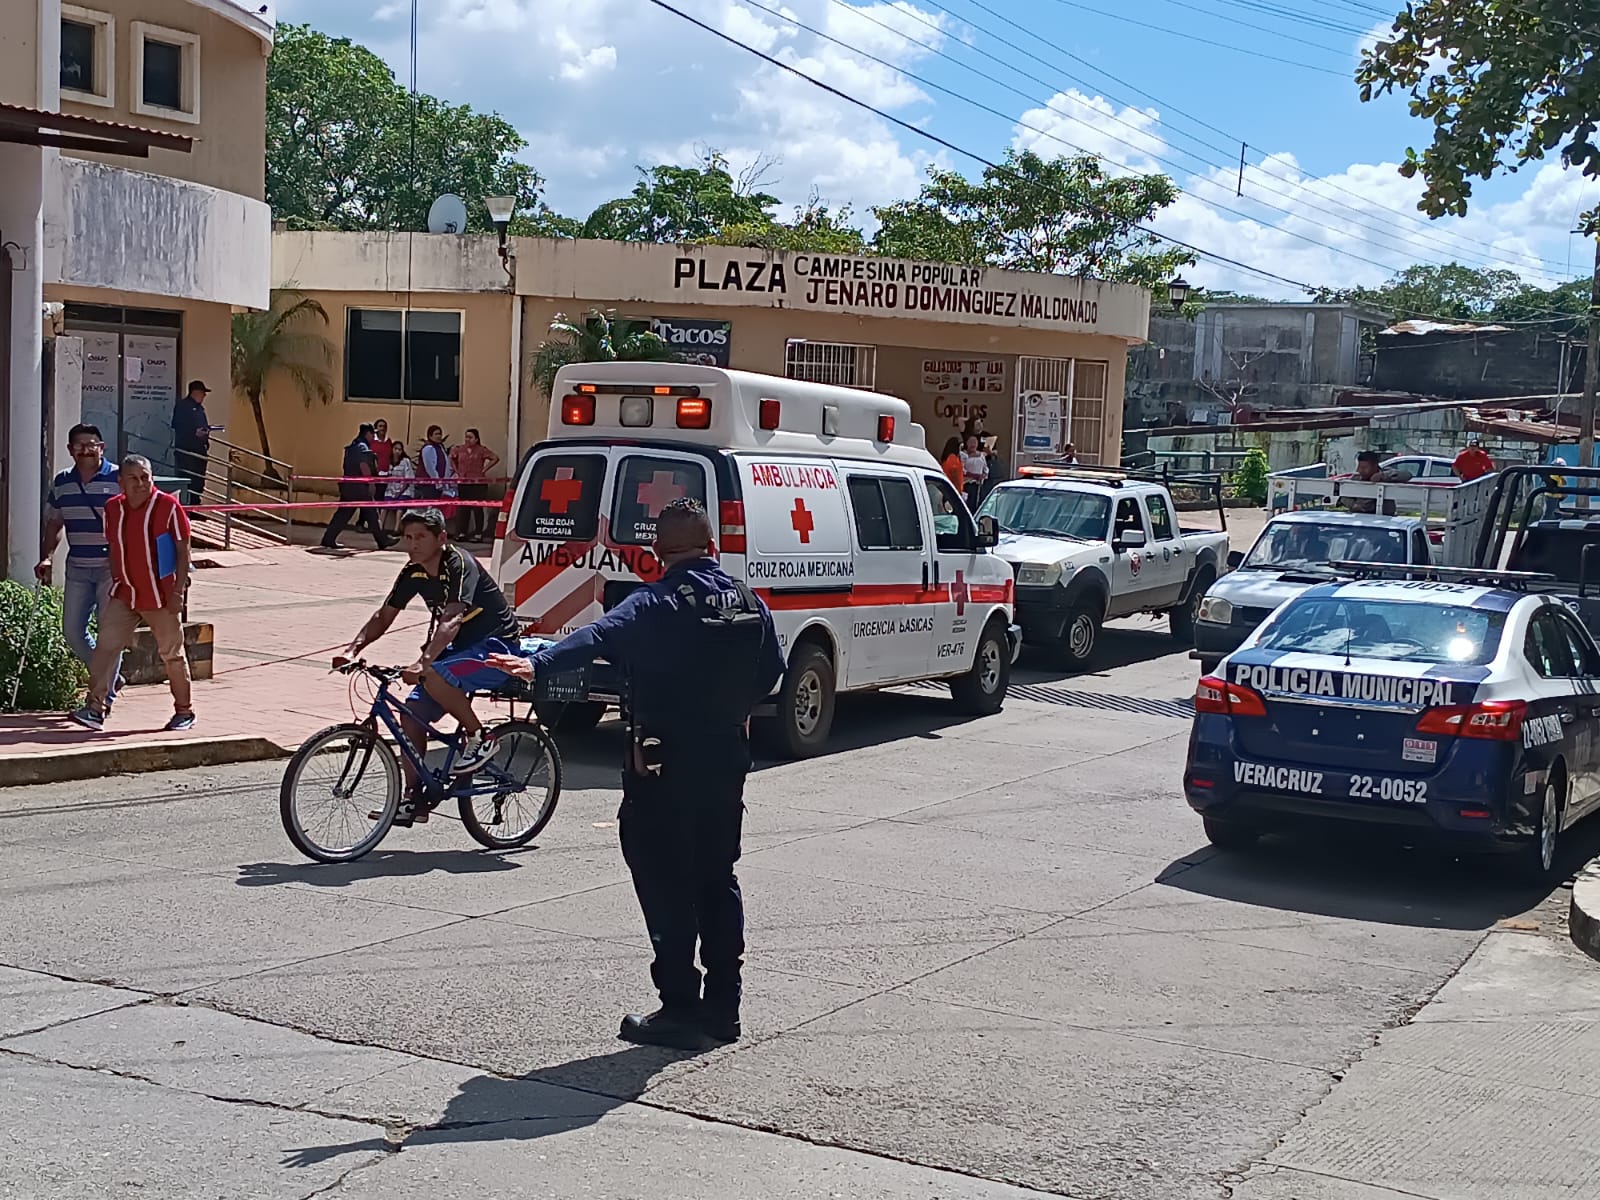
x=1072 y=123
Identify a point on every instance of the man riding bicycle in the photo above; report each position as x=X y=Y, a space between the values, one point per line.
x=470 y=621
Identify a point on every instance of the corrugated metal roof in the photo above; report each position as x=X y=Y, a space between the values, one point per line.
x=19 y=115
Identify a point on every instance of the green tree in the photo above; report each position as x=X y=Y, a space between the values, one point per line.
x=286 y=339
x=1451 y=291
x=1540 y=304
x=681 y=204
x=599 y=337
x=1063 y=215
x=814 y=229
x=339 y=145
x=1501 y=83
x=1250 y=476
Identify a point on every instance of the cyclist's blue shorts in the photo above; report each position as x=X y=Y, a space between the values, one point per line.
x=464 y=669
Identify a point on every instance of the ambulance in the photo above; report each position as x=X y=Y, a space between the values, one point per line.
x=824 y=500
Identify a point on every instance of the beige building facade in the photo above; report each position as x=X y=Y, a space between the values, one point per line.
x=132 y=145
x=436 y=330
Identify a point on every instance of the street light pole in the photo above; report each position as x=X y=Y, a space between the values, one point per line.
x=1591 y=369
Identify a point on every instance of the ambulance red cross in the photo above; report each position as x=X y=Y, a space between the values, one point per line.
x=826 y=502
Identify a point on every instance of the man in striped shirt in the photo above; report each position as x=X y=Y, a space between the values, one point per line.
x=76 y=504
x=147 y=535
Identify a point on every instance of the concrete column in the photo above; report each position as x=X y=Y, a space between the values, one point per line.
x=22 y=225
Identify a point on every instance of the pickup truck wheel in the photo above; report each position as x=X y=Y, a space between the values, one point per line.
x=1079 y=636
x=1181 y=619
x=805 y=703
x=982 y=690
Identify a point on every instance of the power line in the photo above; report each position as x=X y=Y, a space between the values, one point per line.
x=1389 y=268
x=938 y=140
x=1431 y=232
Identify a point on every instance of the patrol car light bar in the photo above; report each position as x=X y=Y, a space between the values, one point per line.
x=1031 y=472
x=1519 y=581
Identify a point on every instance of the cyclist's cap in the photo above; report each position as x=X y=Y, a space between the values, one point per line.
x=430 y=519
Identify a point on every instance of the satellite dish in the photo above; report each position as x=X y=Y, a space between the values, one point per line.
x=448 y=215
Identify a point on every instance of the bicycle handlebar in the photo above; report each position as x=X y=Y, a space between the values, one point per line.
x=362 y=667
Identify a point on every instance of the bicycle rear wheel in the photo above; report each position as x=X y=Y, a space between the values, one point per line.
x=527 y=769
x=331 y=788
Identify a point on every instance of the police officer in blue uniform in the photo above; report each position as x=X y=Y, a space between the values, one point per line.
x=699 y=651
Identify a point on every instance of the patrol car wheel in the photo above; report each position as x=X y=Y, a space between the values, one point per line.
x=1538 y=859
x=805 y=705
x=1079 y=638
x=982 y=690
x=1230 y=835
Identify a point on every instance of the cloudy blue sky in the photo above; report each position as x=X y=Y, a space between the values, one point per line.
x=600 y=86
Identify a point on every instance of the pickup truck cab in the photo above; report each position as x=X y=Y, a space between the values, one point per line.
x=1089 y=544
x=1295 y=552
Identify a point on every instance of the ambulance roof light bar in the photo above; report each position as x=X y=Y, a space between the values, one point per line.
x=631 y=389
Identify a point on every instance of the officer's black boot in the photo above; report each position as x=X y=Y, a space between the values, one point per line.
x=676 y=1027
x=721 y=1025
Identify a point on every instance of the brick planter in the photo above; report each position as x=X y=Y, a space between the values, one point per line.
x=141 y=663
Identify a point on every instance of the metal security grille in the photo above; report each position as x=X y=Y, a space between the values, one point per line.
x=1089 y=408
x=1083 y=385
x=840 y=363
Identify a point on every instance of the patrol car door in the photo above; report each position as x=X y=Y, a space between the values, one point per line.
x=1552 y=728
x=1166 y=566
x=1129 y=582
x=955 y=567
x=891 y=638
x=1584 y=731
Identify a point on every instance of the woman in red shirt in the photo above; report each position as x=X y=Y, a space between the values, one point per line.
x=950 y=460
x=471 y=461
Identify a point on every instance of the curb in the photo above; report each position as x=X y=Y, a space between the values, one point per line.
x=1583 y=920
x=62 y=766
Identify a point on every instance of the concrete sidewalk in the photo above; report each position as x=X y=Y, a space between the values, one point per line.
x=279 y=616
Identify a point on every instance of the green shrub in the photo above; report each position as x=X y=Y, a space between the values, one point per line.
x=52 y=679
x=1250 y=476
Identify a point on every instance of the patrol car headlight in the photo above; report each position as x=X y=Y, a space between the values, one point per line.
x=1038 y=574
x=1214 y=608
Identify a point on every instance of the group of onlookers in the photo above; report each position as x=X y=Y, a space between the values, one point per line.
x=973 y=462
x=438 y=472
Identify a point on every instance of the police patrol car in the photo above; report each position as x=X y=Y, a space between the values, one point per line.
x=1452 y=703
x=826 y=501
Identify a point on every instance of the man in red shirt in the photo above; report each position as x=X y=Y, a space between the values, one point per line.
x=147 y=533
x=1473 y=462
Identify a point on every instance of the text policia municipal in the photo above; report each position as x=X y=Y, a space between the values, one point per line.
x=826 y=281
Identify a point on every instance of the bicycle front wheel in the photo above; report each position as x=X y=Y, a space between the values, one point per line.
x=513 y=795
x=340 y=793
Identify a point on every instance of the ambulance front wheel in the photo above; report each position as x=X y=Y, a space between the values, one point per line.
x=982 y=690
x=805 y=703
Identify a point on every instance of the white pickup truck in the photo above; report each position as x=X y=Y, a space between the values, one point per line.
x=1088 y=544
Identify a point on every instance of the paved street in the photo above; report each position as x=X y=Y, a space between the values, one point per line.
x=988 y=959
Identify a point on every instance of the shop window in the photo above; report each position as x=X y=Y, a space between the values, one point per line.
x=166 y=73
x=398 y=354
x=88 y=55
x=840 y=363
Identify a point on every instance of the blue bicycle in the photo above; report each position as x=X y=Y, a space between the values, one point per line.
x=342 y=789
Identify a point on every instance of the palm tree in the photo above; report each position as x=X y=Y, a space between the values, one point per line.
x=282 y=339
x=599 y=338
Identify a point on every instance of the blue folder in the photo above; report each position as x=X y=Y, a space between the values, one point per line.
x=166 y=556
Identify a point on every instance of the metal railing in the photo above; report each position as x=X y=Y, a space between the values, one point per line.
x=231 y=479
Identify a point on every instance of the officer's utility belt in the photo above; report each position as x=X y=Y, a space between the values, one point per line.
x=648 y=749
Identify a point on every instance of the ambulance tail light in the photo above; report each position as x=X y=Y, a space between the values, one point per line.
x=1213 y=694
x=577 y=410
x=502 y=521
x=1490 y=720
x=694 y=412
x=771 y=410
x=886 y=429
x=730 y=536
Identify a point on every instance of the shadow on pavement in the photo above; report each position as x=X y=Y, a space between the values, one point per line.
x=387 y=864
x=1343 y=874
x=1137 y=640
x=493 y=1108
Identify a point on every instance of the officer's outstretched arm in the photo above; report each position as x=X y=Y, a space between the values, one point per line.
x=615 y=637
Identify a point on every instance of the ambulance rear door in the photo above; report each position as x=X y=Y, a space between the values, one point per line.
x=798 y=556
x=578 y=539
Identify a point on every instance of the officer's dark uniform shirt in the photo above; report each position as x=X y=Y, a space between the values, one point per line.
x=357 y=455
x=461 y=579
x=657 y=637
